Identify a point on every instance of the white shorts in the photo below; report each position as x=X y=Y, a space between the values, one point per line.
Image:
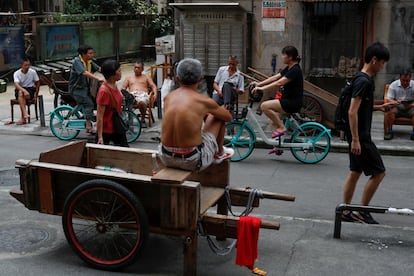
x=202 y=158
x=141 y=96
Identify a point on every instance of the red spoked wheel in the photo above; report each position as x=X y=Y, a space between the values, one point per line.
x=311 y=109
x=105 y=224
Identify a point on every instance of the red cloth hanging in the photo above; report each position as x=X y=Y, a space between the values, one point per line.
x=247 y=237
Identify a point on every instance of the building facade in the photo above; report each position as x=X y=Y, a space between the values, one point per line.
x=331 y=35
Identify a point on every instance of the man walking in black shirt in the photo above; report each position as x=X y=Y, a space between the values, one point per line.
x=363 y=154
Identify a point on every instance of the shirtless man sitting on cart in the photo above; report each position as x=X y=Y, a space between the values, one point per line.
x=193 y=126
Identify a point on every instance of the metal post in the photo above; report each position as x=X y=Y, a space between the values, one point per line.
x=41 y=111
x=338 y=221
x=351 y=207
x=159 y=105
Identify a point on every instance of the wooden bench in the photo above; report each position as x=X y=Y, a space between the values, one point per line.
x=398 y=120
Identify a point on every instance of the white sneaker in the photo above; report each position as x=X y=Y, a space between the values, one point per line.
x=227 y=153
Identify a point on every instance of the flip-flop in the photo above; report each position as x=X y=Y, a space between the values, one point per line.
x=272 y=151
x=259 y=271
x=277 y=133
x=8 y=123
x=19 y=123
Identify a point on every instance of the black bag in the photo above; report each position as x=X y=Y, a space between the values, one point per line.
x=120 y=126
x=341 y=119
x=341 y=112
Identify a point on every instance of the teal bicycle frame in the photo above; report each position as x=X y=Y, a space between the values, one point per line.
x=309 y=142
x=77 y=124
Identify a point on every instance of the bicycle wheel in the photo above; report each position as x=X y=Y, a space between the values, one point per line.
x=311 y=109
x=315 y=134
x=241 y=138
x=105 y=224
x=59 y=118
x=134 y=123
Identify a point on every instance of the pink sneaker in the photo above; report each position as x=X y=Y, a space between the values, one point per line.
x=227 y=153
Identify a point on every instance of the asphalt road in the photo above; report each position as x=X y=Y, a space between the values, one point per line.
x=34 y=244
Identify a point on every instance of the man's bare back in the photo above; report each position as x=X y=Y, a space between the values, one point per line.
x=184 y=113
x=193 y=126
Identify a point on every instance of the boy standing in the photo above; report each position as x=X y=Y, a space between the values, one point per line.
x=363 y=154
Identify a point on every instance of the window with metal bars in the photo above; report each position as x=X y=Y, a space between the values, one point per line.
x=333 y=38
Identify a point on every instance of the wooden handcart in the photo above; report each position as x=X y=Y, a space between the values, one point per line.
x=107 y=215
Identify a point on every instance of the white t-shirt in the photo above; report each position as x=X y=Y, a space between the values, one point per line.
x=397 y=92
x=25 y=80
x=222 y=76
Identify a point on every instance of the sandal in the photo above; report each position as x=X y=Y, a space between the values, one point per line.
x=19 y=123
x=259 y=271
x=278 y=133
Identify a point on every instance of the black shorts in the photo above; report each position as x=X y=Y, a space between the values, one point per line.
x=290 y=106
x=369 y=161
x=31 y=91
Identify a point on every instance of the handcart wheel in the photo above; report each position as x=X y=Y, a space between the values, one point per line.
x=311 y=109
x=105 y=224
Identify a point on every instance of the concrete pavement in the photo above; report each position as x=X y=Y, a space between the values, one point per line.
x=303 y=246
x=34 y=244
x=400 y=145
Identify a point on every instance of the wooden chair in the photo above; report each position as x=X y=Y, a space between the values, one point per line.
x=148 y=113
x=14 y=102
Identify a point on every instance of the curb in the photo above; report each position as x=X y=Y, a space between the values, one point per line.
x=150 y=135
x=342 y=147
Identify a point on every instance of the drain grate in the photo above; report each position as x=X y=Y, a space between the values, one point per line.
x=9 y=177
x=21 y=238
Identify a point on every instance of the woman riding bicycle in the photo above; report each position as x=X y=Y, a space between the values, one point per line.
x=290 y=82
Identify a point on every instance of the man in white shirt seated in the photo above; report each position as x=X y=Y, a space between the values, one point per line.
x=27 y=84
x=228 y=83
x=400 y=91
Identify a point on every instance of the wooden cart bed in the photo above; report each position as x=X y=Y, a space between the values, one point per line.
x=175 y=201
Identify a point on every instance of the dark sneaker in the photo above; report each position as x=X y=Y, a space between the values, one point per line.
x=412 y=136
x=349 y=216
x=388 y=136
x=367 y=218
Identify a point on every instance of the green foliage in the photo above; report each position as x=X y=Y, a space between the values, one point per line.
x=142 y=7
x=97 y=6
x=163 y=25
x=84 y=10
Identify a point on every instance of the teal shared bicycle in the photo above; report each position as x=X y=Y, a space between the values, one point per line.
x=66 y=122
x=309 y=141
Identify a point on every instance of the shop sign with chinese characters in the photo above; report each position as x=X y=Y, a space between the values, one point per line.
x=274 y=9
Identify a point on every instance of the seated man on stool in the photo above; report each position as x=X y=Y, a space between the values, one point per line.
x=192 y=132
x=142 y=87
x=401 y=92
x=228 y=83
x=27 y=84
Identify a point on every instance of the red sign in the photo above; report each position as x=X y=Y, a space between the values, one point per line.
x=274 y=9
